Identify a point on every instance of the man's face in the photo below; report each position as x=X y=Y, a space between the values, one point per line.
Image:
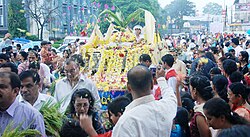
x=29 y=89
x=7 y=94
x=71 y=70
x=138 y=31
x=32 y=57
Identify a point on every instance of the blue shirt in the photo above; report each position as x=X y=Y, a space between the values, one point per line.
x=19 y=113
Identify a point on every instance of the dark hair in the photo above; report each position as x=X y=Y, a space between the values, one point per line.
x=229 y=56
x=218 y=107
x=4 y=56
x=220 y=83
x=188 y=104
x=235 y=41
x=182 y=118
x=236 y=77
x=78 y=59
x=215 y=50
x=215 y=70
x=14 y=79
x=210 y=56
x=36 y=54
x=118 y=105
x=239 y=89
x=24 y=54
x=67 y=51
x=34 y=65
x=236 y=131
x=53 y=50
x=10 y=65
x=245 y=56
x=83 y=93
x=202 y=86
x=30 y=74
x=222 y=59
x=18 y=45
x=169 y=59
x=229 y=66
x=44 y=43
x=140 y=78
x=144 y=58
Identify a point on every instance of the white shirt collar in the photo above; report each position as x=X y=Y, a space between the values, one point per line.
x=39 y=99
x=140 y=101
x=82 y=78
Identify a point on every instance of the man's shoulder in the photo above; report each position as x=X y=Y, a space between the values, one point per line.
x=28 y=110
x=47 y=97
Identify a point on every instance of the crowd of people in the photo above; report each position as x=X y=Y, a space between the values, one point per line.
x=200 y=88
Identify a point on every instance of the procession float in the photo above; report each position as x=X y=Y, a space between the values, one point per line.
x=109 y=58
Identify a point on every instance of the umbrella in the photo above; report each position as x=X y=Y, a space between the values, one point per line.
x=21 y=40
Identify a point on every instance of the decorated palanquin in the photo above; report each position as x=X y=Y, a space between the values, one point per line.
x=109 y=58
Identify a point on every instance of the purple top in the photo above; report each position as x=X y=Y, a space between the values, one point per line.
x=20 y=112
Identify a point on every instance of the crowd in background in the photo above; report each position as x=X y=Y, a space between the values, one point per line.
x=200 y=88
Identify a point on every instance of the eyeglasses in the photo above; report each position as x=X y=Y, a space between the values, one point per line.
x=69 y=71
x=80 y=105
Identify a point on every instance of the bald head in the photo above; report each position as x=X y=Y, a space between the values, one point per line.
x=140 y=79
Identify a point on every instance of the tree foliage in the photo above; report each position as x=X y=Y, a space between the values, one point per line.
x=42 y=12
x=126 y=7
x=179 y=8
x=129 y=6
x=212 y=8
x=16 y=18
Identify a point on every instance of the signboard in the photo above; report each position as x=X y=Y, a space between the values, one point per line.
x=242 y=7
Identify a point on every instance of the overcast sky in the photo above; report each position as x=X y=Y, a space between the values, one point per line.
x=200 y=3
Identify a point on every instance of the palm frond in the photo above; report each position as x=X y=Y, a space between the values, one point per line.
x=53 y=119
x=133 y=15
x=113 y=16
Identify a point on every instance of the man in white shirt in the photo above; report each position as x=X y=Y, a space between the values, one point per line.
x=29 y=91
x=237 y=48
x=145 y=116
x=74 y=80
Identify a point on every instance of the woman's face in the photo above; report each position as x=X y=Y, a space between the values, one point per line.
x=215 y=123
x=240 y=57
x=192 y=90
x=65 y=54
x=81 y=106
x=219 y=63
x=232 y=97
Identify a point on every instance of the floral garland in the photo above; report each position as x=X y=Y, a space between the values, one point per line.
x=115 y=61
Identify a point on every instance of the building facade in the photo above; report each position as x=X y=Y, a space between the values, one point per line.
x=3 y=17
x=68 y=14
x=240 y=15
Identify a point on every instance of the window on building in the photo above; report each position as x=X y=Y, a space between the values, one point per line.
x=1 y=2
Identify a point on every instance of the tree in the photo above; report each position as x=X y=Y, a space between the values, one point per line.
x=179 y=8
x=42 y=12
x=16 y=18
x=129 y=6
x=212 y=8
